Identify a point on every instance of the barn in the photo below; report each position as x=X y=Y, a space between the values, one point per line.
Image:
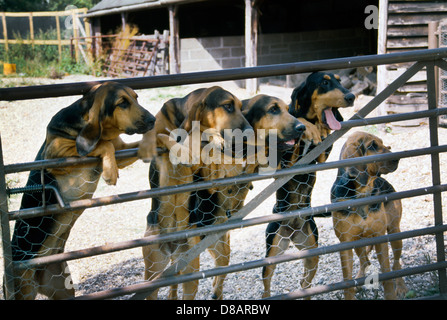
x=221 y=34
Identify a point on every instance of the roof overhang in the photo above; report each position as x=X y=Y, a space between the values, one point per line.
x=136 y=7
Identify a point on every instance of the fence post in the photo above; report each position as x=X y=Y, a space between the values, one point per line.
x=436 y=175
x=31 y=29
x=8 y=283
x=59 y=43
x=5 y=31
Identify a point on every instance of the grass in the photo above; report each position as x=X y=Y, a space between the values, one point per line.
x=41 y=60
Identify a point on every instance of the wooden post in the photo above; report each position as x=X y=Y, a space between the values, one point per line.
x=59 y=42
x=75 y=34
x=88 y=39
x=251 y=41
x=31 y=28
x=174 y=41
x=123 y=19
x=381 y=49
x=5 y=31
x=433 y=44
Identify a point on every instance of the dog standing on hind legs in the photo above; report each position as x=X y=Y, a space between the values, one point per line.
x=371 y=220
x=89 y=127
x=314 y=103
x=215 y=110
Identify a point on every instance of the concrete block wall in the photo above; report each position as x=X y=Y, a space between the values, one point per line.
x=215 y=53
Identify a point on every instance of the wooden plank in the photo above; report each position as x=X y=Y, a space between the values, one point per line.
x=397 y=108
x=45 y=13
x=38 y=42
x=415 y=42
x=394 y=74
x=407 y=31
x=416 y=87
x=408 y=99
x=417 y=7
x=414 y=19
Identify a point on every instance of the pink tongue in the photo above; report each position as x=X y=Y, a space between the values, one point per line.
x=331 y=121
x=290 y=142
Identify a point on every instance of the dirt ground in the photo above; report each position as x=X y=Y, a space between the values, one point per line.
x=22 y=128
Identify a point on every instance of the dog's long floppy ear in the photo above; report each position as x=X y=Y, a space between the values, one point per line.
x=300 y=101
x=91 y=133
x=195 y=109
x=358 y=172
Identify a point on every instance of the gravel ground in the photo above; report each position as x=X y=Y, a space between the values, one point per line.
x=22 y=127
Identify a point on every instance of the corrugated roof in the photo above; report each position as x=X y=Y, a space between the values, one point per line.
x=111 y=4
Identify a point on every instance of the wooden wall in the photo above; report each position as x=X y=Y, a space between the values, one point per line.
x=407 y=29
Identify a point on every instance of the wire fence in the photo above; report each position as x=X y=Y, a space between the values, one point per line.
x=43 y=28
x=194 y=208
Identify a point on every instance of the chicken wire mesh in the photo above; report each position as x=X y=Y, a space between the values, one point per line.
x=204 y=207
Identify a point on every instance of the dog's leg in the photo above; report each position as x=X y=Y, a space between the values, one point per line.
x=155 y=259
x=384 y=261
x=394 y=212
x=55 y=281
x=362 y=253
x=119 y=144
x=26 y=285
x=189 y=288
x=148 y=147
x=106 y=151
x=305 y=239
x=401 y=287
x=221 y=255
x=276 y=245
x=347 y=262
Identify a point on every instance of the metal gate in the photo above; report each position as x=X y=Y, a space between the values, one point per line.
x=428 y=59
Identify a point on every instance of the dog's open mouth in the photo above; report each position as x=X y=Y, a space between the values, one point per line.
x=330 y=120
x=287 y=144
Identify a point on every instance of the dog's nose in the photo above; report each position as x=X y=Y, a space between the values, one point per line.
x=349 y=98
x=149 y=120
x=299 y=128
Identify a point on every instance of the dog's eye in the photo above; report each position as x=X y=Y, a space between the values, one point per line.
x=325 y=83
x=274 y=110
x=228 y=106
x=373 y=146
x=124 y=104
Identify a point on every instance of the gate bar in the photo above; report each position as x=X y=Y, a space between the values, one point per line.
x=5 y=233
x=436 y=174
x=69 y=89
x=187 y=187
x=128 y=153
x=224 y=227
x=143 y=287
x=303 y=293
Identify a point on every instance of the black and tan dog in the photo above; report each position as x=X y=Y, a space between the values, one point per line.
x=264 y=113
x=215 y=110
x=367 y=221
x=89 y=127
x=314 y=103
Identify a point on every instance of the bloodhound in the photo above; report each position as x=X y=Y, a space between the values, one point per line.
x=315 y=104
x=206 y=112
x=371 y=220
x=89 y=127
x=270 y=119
